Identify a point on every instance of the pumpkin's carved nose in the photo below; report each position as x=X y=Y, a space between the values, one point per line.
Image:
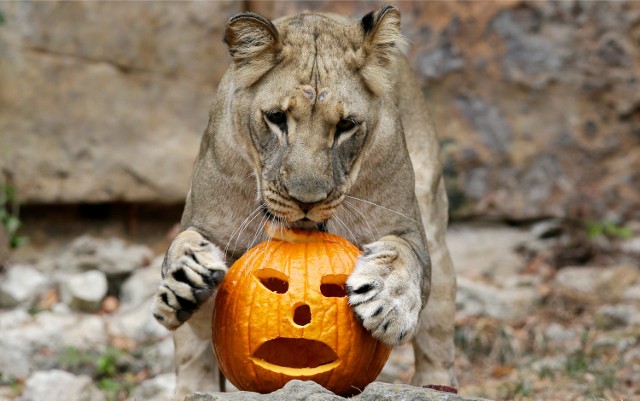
x=302 y=315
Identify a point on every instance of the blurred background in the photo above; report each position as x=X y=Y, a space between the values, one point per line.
x=537 y=104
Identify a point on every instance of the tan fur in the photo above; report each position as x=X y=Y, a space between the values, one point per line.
x=303 y=170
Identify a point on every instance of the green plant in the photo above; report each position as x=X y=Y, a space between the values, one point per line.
x=112 y=378
x=546 y=372
x=9 y=211
x=107 y=363
x=2 y=19
x=75 y=360
x=117 y=388
x=577 y=362
x=607 y=229
x=15 y=386
x=604 y=380
x=519 y=389
x=108 y=368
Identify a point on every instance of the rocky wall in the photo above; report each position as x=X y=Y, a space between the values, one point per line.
x=537 y=103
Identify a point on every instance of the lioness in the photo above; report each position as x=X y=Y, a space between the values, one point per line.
x=316 y=124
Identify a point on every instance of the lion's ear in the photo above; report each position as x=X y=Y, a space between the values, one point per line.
x=381 y=37
x=254 y=45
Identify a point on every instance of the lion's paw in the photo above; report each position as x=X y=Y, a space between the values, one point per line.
x=382 y=294
x=192 y=269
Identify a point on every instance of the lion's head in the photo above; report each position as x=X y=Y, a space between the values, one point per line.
x=306 y=97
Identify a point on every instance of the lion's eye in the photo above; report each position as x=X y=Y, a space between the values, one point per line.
x=345 y=125
x=277 y=117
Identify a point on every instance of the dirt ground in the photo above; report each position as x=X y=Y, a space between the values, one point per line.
x=545 y=311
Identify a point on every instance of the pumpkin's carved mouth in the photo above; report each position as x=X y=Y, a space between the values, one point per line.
x=295 y=356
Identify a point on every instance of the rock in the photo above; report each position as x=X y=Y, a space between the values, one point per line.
x=549 y=363
x=58 y=385
x=142 y=285
x=517 y=130
x=137 y=324
x=152 y=68
x=526 y=88
x=13 y=318
x=632 y=293
x=595 y=284
x=608 y=341
x=111 y=256
x=378 y=391
x=400 y=366
x=632 y=357
x=160 y=388
x=621 y=315
x=631 y=246
x=546 y=229
x=37 y=342
x=509 y=304
x=15 y=356
x=556 y=333
x=84 y=291
x=294 y=390
x=487 y=120
x=21 y=285
x=309 y=391
x=160 y=356
x=485 y=251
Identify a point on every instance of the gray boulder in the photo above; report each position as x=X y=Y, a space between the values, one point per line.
x=58 y=385
x=509 y=304
x=160 y=388
x=21 y=285
x=378 y=391
x=84 y=291
x=136 y=325
x=112 y=256
x=297 y=390
x=140 y=287
x=31 y=343
x=590 y=284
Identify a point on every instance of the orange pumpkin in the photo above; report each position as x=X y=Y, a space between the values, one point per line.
x=282 y=313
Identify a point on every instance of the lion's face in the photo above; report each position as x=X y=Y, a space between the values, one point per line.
x=309 y=129
x=307 y=111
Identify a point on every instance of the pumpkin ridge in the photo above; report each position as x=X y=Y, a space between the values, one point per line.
x=251 y=303
x=347 y=260
x=257 y=258
x=224 y=296
x=336 y=306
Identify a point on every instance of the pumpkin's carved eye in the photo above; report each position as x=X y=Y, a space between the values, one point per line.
x=273 y=280
x=334 y=285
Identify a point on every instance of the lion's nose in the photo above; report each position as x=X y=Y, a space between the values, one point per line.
x=308 y=195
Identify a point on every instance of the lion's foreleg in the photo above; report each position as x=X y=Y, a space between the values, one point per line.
x=433 y=344
x=386 y=288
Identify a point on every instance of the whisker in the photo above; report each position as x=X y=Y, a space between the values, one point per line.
x=353 y=237
x=363 y=219
x=241 y=228
x=353 y=222
x=347 y=214
x=258 y=232
x=383 y=207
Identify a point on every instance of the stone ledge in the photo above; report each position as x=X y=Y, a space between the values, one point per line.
x=297 y=390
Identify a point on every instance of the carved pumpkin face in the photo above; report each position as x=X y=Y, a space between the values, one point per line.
x=282 y=313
